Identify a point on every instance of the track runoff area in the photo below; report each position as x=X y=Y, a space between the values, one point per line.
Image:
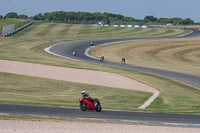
x=109 y=115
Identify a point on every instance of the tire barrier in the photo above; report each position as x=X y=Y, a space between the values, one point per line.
x=137 y=26
x=19 y=29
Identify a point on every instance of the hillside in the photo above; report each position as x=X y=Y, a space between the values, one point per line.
x=7 y=21
x=71 y=32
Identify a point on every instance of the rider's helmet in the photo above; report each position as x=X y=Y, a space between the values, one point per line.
x=83 y=92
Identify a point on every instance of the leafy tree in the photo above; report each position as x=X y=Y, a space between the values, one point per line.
x=38 y=17
x=176 y=20
x=187 y=21
x=164 y=20
x=11 y=15
x=150 y=19
x=1 y=17
x=22 y=16
x=106 y=18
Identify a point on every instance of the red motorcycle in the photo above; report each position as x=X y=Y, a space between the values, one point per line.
x=85 y=104
x=123 y=61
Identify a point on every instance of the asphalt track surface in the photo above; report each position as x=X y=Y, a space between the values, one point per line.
x=65 y=50
x=107 y=115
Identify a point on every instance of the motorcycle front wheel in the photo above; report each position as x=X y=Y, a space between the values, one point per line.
x=98 y=108
x=83 y=106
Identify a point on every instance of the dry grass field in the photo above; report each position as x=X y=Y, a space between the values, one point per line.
x=181 y=55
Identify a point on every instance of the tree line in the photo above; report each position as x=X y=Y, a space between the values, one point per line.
x=14 y=15
x=93 y=18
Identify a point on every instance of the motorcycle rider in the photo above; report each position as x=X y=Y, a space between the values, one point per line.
x=123 y=60
x=92 y=43
x=84 y=94
x=102 y=58
x=75 y=52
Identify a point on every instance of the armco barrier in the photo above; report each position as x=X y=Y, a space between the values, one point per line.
x=19 y=29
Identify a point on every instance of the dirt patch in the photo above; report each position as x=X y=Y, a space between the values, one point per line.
x=73 y=75
x=14 y=126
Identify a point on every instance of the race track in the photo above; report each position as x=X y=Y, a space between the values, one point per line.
x=106 y=115
x=65 y=50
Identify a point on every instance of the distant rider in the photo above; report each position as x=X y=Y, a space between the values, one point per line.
x=102 y=58
x=123 y=60
x=75 y=52
x=92 y=43
x=84 y=94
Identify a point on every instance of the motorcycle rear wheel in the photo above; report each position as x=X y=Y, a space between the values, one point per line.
x=83 y=106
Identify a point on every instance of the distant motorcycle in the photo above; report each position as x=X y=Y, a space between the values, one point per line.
x=92 y=43
x=74 y=53
x=85 y=104
x=102 y=58
x=123 y=61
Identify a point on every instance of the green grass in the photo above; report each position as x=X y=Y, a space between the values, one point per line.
x=47 y=29
x=29 y=90
x=54 y=31
x=65 y=30
x=8 y=21
x=174 y=97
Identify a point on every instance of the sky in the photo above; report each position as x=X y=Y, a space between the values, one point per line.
x=131 y=8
